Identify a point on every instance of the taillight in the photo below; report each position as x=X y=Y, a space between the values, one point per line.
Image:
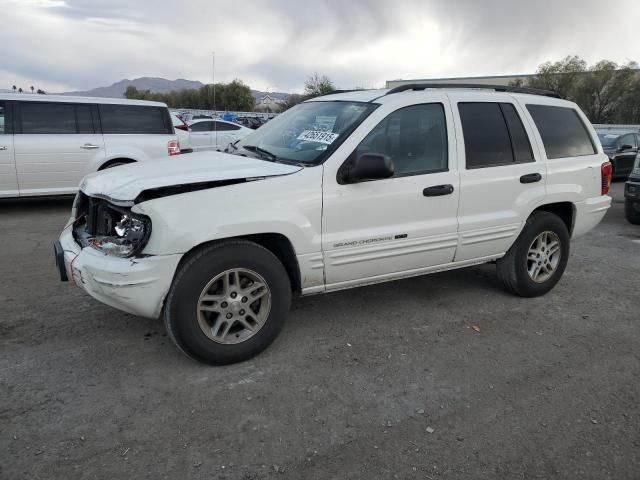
x=607 y=173
x=184 y=127
x=173 y=147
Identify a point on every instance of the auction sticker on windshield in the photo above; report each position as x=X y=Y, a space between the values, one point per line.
x=317 y=136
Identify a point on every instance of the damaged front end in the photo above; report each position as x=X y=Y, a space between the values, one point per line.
x=110 y=229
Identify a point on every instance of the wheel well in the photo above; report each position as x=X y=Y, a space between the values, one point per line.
x=115 y=160
x=564 y=210
x=277 y=244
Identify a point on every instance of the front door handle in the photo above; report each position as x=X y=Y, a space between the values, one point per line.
x=3 y=147
x=438 y=190
x=90 y=146
x=530 y=178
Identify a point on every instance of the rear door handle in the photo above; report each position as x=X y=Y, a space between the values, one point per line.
x=438 y=190
x=90 y=146
x=530 y=178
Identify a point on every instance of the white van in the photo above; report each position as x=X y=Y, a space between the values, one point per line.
x=49 y=143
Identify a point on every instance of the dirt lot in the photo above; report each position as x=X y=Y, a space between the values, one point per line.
x=389 y=381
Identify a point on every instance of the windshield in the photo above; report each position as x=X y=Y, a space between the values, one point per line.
x=305 y=134
x=608 y=140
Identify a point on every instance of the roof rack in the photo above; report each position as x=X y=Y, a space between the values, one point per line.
x=478 y=86
x=335 y=92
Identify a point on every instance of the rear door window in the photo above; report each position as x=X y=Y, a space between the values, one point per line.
x=55 y=118
x=562 y=131
x=202 y=127
x=493 y=135
x=224 y=126
x=47 y=118
x=134 y=119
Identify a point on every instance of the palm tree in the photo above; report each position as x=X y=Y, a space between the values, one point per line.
x=31 y=88
x=14 y=89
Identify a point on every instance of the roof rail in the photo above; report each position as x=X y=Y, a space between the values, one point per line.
x=335 y=92
x=478 y=86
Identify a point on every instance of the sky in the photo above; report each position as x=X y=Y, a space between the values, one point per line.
x=65 y=45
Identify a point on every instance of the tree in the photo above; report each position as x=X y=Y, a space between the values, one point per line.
x=31 y=88
x=317 y=85
x=605 y=91
x=293 y=100
x=237 y=96
x=20 y=90
x=14 y=89
x=560 y=76
x=602 y=92
x=131 y=92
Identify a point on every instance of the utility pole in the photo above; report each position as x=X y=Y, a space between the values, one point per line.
x=213 y=78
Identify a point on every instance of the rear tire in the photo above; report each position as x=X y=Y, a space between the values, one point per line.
x=536 y=261
x=632 y=211
x=228 y=302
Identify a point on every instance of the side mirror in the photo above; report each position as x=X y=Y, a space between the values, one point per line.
x=624 y=148
x=368 y=166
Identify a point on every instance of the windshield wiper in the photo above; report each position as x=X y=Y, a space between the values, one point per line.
x=265 y=154
x=233 y=145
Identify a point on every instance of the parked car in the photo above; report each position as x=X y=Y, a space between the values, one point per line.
x=191 y=117
x=250 y=122
x=183 y=133
x=621 y=150
x=49 y=143
x=632 y=194
x=340 y=191
x=215 y=134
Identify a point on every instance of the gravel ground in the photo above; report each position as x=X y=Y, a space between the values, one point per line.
x=440 y=377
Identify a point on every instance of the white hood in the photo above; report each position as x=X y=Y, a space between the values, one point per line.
x=125 y=183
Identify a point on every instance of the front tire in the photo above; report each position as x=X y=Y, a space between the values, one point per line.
x=228 y=302
x=632 y=211
x=536 y=261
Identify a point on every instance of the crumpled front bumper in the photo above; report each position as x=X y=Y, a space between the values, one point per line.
x=134 y=285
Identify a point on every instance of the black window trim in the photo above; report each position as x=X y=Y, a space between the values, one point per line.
x=8 y=117
x=506 y=123
x=513 y=147
x=351 y=156
x=575 y=112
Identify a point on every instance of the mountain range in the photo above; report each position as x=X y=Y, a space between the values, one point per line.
x=158 y=85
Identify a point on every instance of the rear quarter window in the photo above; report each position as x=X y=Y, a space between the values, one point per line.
x=562 y=131
x=134 y=119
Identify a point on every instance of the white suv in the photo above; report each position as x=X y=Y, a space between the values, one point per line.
x=49 y=143
x=340 y=191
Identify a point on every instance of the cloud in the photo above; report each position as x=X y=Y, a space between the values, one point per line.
x=80 y=44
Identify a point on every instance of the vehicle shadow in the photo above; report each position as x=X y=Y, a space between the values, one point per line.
x=33 y=203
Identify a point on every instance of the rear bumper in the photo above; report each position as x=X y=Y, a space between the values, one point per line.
x=590 y=213
x=134 y=285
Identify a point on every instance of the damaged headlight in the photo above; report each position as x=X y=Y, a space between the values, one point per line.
x=126 y=233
